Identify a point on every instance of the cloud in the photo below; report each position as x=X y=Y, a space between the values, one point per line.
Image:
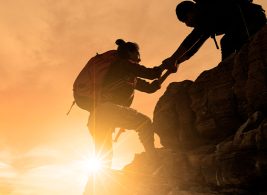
x=42 y=170
x=43 y=38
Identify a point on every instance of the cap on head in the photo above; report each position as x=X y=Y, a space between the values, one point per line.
x=183 y=8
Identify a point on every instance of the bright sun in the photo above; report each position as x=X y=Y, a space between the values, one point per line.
x=95 y=164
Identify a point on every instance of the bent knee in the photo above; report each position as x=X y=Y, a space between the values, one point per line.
x=145 y=119
x=145 y=123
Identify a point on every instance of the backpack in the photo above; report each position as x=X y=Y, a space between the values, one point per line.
x=87 y=86
x=229 y=10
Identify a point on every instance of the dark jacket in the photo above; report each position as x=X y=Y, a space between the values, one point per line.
x=230 y=19
x=123 y=78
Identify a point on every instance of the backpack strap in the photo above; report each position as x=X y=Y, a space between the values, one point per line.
x=215 y=41
x=243 y=18
x=73 y=103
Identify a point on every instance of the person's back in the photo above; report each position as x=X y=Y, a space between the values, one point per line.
x=118 y=86
x=236 y=19
x=222 y=16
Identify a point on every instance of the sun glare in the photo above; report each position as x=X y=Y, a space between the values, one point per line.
x=95 y=164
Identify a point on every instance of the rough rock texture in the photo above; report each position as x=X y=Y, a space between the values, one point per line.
x=214 y=132
x=223 y=117
x=218 y=102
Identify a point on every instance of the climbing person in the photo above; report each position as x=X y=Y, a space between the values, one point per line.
x=237 y=20
x=112 y=108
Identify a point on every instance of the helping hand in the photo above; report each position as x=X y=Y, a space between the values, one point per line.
x=170 y=64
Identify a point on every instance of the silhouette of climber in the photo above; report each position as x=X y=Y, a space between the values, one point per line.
x=124 y=76
x=236 y=20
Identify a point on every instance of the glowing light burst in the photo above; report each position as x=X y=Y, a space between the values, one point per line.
x=95 y=164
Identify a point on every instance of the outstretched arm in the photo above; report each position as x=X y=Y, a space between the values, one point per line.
x=189 y=53
x=144 y=72
x=147 y=87
x=188 y=47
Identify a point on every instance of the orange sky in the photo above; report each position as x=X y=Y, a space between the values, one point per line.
x=44 y=45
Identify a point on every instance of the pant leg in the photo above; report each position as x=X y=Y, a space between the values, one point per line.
x=102 y=136
x=128 y=118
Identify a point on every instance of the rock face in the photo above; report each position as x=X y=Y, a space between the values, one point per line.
x=218 y=102
x=213 y=132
